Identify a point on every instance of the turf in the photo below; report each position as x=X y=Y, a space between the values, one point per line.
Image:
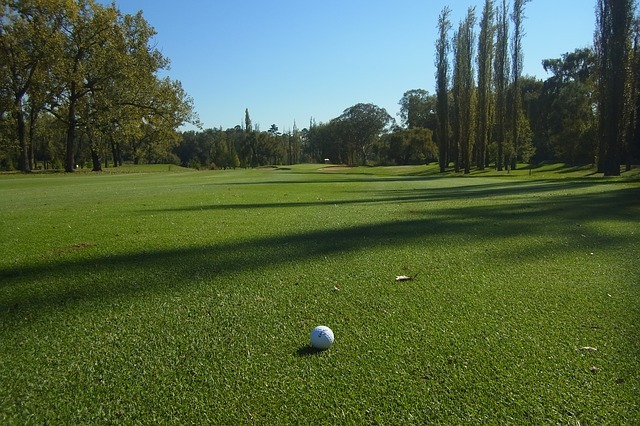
x=162 y=296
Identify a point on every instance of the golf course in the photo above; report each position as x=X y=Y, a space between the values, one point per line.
x=158 y=294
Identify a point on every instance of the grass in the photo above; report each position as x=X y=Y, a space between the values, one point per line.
x=156 y=297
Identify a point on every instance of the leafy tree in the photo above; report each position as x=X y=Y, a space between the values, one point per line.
x=94 y=69
x=247 y=121
x=517 y=116
x=578 y=65
x=464 y=91
x=501 y=82
x=485 y=96
x=408 y=146
x=246 y=144
x=442 y=87
x=323 y=142
x=570 y=122
x=417 y=109
x=536 y=110
x=234 y=161
x=613 y=46
x=572 y=134
x=81 y=69
x=273 y=130
x=633 y=143
x=359 y=126
x=293 y=143
x=29 y=41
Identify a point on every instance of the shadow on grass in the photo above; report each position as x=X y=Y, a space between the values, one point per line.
x=470 y=191
x=307 y=350
x=45 y=286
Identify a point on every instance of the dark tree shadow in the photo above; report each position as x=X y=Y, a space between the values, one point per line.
x=114 y=276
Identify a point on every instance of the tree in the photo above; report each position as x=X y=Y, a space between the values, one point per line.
x=485 y=97
x=80 y=71
x=633 y=150
x=247 y=146
x=92 y=68
x=568 y=95
x=29 y=41
x=417 y=109
x=501 y=81
x=247 y=121
x=442 y=87
x=294 y=145
x=273 y=130
x=408 y=146
x=464 y=91
x=613 y=45
x=517 y=116
x=358 y=127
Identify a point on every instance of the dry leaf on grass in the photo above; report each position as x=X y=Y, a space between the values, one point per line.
x=405 y=277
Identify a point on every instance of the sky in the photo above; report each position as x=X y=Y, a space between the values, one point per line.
x=290 y=61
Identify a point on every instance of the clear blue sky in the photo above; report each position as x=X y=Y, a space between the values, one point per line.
x=290 y=60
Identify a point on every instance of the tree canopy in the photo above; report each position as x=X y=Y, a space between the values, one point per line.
x=91 y=72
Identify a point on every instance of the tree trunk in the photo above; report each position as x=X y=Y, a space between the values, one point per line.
x=95 y=159
x=71 y=136
x=32 y=144
x=114 y=153
x=23 y=161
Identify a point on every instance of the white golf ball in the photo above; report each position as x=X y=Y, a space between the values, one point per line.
x=321 y=337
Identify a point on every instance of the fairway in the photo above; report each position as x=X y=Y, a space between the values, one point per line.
x=182 y=297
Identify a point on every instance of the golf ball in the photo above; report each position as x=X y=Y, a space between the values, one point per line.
x=321 y=337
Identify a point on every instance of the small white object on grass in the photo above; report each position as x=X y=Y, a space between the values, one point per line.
x=405 y=277
x=588 y=348
x=321 y=337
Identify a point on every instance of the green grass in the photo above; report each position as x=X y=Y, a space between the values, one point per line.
x=177 y=298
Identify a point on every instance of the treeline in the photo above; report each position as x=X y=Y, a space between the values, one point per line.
x=79 y=84
x=559 y=123
x=586 y=112
x=362 y=134
x=240 y=146
x=484 y=112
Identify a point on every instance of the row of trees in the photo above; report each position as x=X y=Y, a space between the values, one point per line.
x=484 y=111
x=80 y=82
x=482 y=122
x=362 y=134
x=560 y=112
x=587 y=111
x=241 y=146
x=617 y=49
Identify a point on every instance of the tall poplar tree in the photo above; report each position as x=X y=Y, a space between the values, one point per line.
x=633 y=144
x=613 y=45
x=485 y=57
x=501 y=80
x=517 y=116
x=247 y=121
x=442 y=87
x=464 y=91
